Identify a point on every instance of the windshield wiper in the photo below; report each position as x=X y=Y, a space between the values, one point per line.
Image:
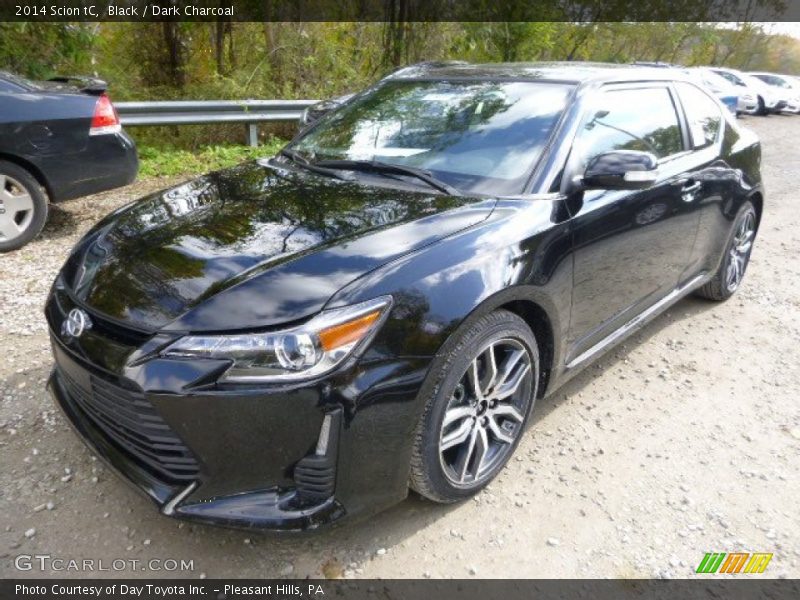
x=303 y=162
x=389 y=168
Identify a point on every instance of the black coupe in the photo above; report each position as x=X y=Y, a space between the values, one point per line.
x=304 y=338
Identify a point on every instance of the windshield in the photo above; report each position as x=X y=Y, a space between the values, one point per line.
x=477 y=136
x=772 y=80
x=713 y=81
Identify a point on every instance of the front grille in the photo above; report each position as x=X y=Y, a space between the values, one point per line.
x=132 y=423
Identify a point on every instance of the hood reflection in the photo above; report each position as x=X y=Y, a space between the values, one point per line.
x=175 y=249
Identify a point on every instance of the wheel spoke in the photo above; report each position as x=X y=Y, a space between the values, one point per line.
x=457 y=436
x=509 y=387
x=456 y=414
x=491 y=366
x=481 y=449
x=462 y=466
x=8 y=227
x=16 y=203
x=497 y=431
x=508 y=410
x=475 y=380
x=731 y=275
x=508 y=367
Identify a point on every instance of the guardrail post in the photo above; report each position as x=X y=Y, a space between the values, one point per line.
x=252 y=134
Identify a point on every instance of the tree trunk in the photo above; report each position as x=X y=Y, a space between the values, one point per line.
x=219 y=46
x=176 y=63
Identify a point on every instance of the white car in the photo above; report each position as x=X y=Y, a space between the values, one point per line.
x=787 y=84
x=770 y=99
x=738 y=99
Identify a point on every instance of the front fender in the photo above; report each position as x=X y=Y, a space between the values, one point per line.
x=521 y=254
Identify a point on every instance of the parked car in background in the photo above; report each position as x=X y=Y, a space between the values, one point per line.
x=769 y=100
x=789 y=85
x=298 y=339
x=59 y=139
x=736 y=98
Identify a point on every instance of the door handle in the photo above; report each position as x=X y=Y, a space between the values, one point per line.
x=689 y=188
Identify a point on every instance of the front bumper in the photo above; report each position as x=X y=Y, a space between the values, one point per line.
x=270 y=509
x=257 y=461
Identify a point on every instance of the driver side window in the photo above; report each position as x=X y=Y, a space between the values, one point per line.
x=641 y=119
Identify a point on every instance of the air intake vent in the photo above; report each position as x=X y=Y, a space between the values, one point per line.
x=132 y=423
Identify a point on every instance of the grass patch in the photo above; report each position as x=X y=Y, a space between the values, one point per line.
x=172 y=162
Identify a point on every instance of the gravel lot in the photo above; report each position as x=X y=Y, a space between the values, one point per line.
x=683 y=441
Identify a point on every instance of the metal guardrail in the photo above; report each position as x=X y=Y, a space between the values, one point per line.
x=195 y=112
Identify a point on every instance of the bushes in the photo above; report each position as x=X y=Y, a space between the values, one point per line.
x=285 y=60
x=169 y=161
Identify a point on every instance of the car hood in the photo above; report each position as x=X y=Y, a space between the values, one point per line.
x=252 y=246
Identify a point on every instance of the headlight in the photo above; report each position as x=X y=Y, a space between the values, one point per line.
x=302 y=352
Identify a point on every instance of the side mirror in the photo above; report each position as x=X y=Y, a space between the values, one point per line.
x=621 y=170
x=316 y=111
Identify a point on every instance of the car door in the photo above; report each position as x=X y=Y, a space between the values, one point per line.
x=630 y=248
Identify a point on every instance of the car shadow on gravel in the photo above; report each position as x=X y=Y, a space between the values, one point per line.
x=60 y=224
x=685 y=310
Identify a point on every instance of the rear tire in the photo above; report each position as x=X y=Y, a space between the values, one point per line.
x=23 y=207
x=734 y=263
x=465 y=437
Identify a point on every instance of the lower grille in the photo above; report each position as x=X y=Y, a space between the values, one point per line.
x=132 y=423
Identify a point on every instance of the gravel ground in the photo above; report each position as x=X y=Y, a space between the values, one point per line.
x=685 y=440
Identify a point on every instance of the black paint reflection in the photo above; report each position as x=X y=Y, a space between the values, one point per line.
x=171 y=251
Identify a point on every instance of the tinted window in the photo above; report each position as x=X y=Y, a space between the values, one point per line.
x=481 y=136
x=772 y=80
x=636 y=119
x=703 y=114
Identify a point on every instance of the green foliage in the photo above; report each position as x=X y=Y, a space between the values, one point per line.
x=42 y=50
x=238 y=60
x=167 y=161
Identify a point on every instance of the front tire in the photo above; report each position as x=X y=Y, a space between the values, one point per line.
x=23 y=207
x=484 y=388
x=731 y=270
